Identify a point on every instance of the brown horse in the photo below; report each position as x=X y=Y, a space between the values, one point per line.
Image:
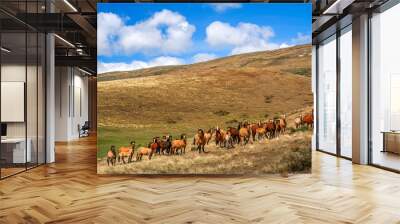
x=282 y=124
x=277 y=127
x=261 y=133
x=270 y=129
x=254 y=128
x=165 y=144
x=234 y=134
x=126 y=152
x=219 y=137
x=155 y=145
x=308 y=119
x=144 y=151
x=111 y=156
x=228 y=143
x=244 y=133
x=208 y=135
x=200 y=140
x=298 y=121
x=179 y=144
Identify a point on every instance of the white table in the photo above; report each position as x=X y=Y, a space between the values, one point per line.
x=19 y=155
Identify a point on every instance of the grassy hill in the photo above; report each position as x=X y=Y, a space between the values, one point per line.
x=151 y=102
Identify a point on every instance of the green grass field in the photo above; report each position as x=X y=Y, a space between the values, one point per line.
x=108 y=136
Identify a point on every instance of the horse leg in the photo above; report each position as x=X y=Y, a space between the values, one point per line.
x=130 y=158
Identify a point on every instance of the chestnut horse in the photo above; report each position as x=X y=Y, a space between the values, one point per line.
x=165 y=144
x=254 y=128
x=144 y=151
x=244 y=133
x=208 y=135
x=128 y=152
x=179 y=144
x=234 y=134
x=200 y=140
x=219 y=137
x=308 y=119
x=111 y=156
x=270 y=129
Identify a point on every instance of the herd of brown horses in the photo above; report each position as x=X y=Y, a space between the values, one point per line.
x=243 y=134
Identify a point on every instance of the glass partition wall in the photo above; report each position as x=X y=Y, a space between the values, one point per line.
x=345 y=60
x=327 y=95
x=385 y=89
x=334 y=84
x=22 y=77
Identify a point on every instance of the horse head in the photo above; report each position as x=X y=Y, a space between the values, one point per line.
x=200 y=131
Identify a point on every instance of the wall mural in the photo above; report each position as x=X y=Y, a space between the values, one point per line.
x=204 y=88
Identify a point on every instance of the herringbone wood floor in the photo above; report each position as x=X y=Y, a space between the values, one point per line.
x=69 y=191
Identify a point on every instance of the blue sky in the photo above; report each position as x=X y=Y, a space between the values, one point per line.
x=135 y=36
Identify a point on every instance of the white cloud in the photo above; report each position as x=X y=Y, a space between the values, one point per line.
x=202 y=57
x=301 y=39
x=103 y=67
x=108 y=28
x=243 y=38
x=165 y=32
x=285 y=45
x=222 y=7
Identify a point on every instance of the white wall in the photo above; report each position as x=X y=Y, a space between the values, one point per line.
x=70 y=84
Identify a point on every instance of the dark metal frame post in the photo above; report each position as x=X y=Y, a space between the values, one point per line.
x=338 y=77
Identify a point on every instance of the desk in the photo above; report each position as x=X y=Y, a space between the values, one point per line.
x=13 y=150
x=391 y=141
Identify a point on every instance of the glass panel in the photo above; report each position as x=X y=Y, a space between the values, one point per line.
x=32 y=88
x=13 y=86
x=31 y=98
x=41 y=99
x=385 y=92
x=346 y=92
x=327 y=95
x=23 y=82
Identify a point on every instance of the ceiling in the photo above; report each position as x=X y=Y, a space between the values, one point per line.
x=74 y=22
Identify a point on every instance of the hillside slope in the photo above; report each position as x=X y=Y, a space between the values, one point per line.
x=247 y=86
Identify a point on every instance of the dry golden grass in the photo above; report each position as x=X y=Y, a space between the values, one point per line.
x=247 y=86
x=286 y=154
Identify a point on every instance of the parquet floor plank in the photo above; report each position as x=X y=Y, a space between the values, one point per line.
x=70 y=191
